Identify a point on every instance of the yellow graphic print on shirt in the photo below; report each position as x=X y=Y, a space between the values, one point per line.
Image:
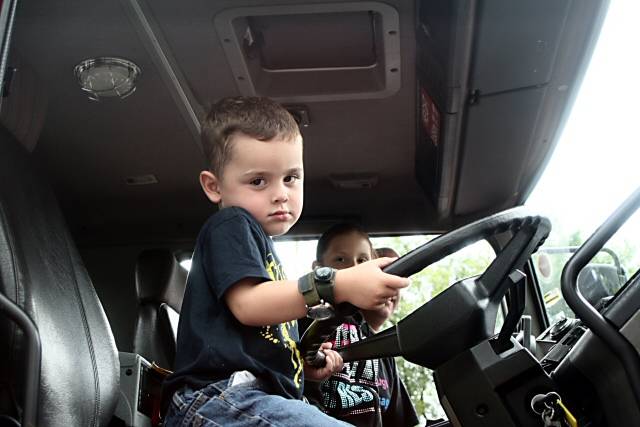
x=275 y=334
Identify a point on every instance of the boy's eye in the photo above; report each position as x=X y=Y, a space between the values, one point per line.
x=257 y=182
x=339 y=259
x=363 y=259
x=291 y=178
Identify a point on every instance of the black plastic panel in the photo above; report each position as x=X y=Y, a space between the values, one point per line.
x=626 y=303
x=497 y=141
x=517 y=43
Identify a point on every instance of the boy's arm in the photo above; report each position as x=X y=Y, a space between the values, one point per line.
x=273 y=302
x=267 y=303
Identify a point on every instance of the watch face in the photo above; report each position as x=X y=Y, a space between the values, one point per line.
x=324 y=273
x=321 y=312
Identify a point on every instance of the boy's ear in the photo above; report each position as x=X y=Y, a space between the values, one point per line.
x=211 y=186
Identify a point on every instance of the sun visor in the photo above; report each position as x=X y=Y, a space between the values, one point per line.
x=24 y=102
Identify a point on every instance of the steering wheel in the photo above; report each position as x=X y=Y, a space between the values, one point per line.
x=461 y=316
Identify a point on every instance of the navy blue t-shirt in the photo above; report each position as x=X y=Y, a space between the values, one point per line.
x=212 y=343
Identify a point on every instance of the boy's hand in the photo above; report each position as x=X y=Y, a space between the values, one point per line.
x=333 y=364
x=366 y=286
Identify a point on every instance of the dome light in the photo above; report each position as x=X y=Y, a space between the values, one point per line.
x=107 y=77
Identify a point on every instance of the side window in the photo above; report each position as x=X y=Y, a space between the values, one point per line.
x=599 y=280
x=548 y=266
x=428 y=283
x=424 y=286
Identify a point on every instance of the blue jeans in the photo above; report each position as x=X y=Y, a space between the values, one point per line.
x=244 y=404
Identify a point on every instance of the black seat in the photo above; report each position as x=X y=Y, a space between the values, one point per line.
x=42 y=273
x=160 y=283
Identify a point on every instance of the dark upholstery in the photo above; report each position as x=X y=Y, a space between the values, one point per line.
x=41 y=270
x=160 y=283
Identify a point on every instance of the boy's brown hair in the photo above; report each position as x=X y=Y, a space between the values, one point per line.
x=257 y=117
x=337 y=230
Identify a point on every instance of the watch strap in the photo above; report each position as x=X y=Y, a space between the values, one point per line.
x=326 y=286
x=325 y=290
x=307 y=287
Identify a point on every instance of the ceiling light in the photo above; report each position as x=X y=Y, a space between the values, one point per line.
x=106 y=77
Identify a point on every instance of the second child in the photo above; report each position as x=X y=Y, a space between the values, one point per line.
x=366 y=392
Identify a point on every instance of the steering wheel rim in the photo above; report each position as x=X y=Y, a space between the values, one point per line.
x=478 y=298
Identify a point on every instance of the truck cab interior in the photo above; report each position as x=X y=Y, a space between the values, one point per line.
x=418 y=117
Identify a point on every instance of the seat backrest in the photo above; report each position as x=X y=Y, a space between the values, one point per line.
x=41 y=271
x=160 y=284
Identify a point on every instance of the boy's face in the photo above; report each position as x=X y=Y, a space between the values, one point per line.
x=263 y=177
x=347 y=250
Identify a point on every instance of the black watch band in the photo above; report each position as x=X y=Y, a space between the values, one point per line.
x=309 y=291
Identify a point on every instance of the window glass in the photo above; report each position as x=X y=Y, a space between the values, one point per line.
x=605 y=274
x=594 y=165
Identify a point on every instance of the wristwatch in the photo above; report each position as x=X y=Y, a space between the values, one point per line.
x=325 y=278
x=317 y=290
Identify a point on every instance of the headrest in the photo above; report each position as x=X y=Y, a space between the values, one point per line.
x=160 y=278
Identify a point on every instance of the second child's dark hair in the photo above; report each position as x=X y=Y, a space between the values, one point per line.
x=259 y=118
x=336 y=230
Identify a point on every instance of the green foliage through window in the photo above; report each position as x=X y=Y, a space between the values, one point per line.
x=424 y=286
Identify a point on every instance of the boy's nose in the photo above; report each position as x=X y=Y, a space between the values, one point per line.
x=280 y=194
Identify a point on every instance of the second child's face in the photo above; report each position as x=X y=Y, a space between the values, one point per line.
x=350 y=249
x=265 y=178
x=347 y=250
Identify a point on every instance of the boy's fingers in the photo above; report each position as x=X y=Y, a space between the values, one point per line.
x=392 y=279
x=388 y=292
x=328 y=367
x=383 y=262
x=337 y=362
x=396 y=281
x=326 y=345
x=335 y=358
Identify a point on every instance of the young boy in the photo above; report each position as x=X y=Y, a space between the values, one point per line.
x=367 y=392
x=237 y=360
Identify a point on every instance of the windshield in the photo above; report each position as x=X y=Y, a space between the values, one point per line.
x=602 y=278
x=593 y=169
